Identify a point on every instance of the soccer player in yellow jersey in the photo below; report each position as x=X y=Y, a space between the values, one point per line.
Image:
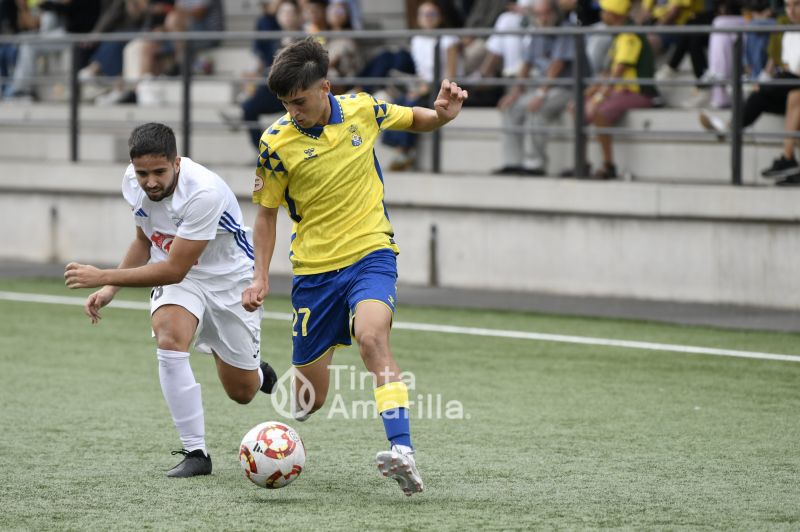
x=318 y=162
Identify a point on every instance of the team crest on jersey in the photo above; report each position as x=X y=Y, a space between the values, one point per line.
x=259 y=184
x=309 y=154
x=355 y=137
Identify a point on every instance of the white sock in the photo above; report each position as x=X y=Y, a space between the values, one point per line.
x=182 y=393
x=260 y=377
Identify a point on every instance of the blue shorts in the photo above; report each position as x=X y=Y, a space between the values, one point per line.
x=325 y=303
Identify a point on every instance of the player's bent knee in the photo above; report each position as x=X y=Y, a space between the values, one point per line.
x=370 y=343
x=241 y=394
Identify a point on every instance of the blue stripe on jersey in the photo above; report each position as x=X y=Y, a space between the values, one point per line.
x=243 y=245
x=239 y=234
x=292 y=207
x=380 y=176
x=229 y=224
x=232 y=223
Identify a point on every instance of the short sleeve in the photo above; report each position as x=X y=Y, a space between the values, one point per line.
x=627 y=48
x=271 y=178
x=202 y=215
x=392 y=116
x=563 y=48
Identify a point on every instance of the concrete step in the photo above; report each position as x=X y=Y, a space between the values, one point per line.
x=644 y=157
x=680 y=162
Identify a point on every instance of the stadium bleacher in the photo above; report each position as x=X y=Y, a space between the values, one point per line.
x=678 y=182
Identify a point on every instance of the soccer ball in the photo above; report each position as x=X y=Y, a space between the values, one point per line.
x=272 y=455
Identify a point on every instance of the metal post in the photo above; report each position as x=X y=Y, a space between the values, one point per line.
x=580 y=111
x=433 y=254
x=186 y=114
x=736 y=112
x=436 y=145
x=74 y=100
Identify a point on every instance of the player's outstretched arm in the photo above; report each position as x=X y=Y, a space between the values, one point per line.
x=137 y=255
x=183 y=254
x=446 y=107
x=264 y=242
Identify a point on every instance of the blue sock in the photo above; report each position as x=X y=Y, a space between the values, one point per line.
x=395 y=421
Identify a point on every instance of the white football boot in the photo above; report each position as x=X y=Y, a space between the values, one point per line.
x=400 y=465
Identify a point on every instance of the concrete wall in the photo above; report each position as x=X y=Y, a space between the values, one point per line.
x=699 y=243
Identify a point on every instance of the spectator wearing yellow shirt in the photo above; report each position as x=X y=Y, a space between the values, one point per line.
x=631 y=58
x=677 y=13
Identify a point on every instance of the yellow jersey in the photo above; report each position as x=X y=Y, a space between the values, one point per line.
x=329 y=180
x=688 y=9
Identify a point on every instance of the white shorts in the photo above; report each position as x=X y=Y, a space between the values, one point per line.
x=223 y=325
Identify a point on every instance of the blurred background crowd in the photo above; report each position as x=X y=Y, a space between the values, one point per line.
x=123 y=72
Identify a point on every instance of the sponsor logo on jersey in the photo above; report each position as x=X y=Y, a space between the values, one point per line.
x=162 y=241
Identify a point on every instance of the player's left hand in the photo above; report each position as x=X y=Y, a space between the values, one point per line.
x=82 y=276
x=449 y=100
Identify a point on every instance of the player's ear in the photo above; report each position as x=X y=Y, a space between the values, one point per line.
x=326 y=86
x=178 y=163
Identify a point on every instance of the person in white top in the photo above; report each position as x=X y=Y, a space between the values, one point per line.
x=422 y=49
x=777 y=99
x=193 y=249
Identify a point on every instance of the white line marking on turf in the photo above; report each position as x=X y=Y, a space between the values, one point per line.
x=452 y=329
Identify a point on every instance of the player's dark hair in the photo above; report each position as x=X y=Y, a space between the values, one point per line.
x=153 y=139
x=297 y=67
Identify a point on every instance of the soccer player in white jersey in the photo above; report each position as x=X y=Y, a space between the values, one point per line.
x=193 y=249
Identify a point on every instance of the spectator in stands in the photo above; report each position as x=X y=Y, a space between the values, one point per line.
x=262 y=102
x=757 y=46
x=552 y=57
x=775 y=99
x=9 y=25
x=354 y=12
x=187 y=15
x=631 y=59
x=119 y=16
x=696 y=45
x=720 y=51
x=672 y=13
x=195 y=15
x=57 y=19
x=429 y=16
x=504 y=53
x=585 y=13
x=451 y=13
x=483 y=14
x=344 y=54
x=138 y=56
x=314 y=15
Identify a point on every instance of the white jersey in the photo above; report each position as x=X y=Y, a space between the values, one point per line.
x=202 y=207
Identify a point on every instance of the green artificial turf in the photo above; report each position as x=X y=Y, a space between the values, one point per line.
x=553 y=435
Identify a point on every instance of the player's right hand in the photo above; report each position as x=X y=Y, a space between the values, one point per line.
x=253 y=296
x=95 y=302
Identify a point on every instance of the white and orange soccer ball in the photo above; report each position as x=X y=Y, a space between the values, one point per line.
x=272 y=454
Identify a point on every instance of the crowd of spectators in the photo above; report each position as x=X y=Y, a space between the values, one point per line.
x=542 y=64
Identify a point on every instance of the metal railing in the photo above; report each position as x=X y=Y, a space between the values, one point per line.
x=579 y=81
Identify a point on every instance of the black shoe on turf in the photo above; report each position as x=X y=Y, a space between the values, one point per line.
x=781 y=167
x=270 y=378
x=194 y=463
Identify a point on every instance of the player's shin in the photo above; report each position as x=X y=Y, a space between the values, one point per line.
x=392 y=402
x=182 y=393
